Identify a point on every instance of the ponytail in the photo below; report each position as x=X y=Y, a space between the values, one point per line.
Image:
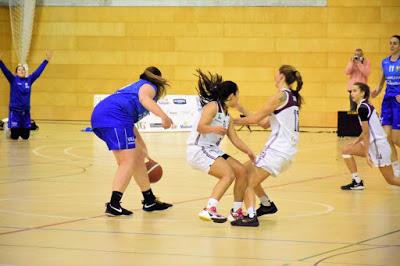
x=292 y=75
x=153 y=75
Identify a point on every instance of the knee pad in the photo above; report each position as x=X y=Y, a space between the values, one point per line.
x=346 y=156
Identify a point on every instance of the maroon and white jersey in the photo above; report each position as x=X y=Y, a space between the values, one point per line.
x=285 y=126
x=209 y=139
x=366 y=112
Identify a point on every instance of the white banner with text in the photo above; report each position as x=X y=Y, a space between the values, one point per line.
x=182 y=109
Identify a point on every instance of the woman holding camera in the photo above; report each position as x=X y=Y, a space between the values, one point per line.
x=358 y=70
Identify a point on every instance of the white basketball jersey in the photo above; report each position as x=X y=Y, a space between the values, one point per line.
x=285 y=126
x=376 y=130
x=209 y=139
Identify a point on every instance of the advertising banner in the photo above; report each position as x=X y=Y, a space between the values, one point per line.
x=182 y=109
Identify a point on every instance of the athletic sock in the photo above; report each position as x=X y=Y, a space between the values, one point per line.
x=116 y=198
x=265 y=201
x=356 y=177
x=237 y=205
x=250 y=212
x=212 y=203
x=148 y=196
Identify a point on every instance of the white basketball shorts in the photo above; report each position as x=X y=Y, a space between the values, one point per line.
x=202 y=158
x=272 y=161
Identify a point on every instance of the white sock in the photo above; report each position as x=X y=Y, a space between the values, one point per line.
x=265 y=201
x=212 y=203
x=356 y=177
x=251 y=212
x=237 y=205
x=396 y=166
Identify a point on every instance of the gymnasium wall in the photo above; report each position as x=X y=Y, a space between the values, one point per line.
x=5 y=52
x=100 y=49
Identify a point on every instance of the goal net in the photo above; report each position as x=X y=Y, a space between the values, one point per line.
x=22 y=13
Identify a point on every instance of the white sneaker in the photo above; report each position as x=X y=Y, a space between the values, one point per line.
x=210 y=214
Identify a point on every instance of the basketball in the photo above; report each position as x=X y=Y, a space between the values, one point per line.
x=154 y=171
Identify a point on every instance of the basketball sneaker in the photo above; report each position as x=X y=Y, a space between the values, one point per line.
x=157 y=205
x=114 y=211
x=354 y=186
x=235 y=215
x=246 y=221
x=210 y=214
x=263 y=210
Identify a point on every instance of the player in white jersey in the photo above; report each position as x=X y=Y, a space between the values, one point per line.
x=203 y=151
x=283 y=112
x=372 y=143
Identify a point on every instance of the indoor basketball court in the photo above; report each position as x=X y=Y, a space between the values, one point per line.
x=54 y=186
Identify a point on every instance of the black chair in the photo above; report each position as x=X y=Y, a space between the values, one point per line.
x=348 y=124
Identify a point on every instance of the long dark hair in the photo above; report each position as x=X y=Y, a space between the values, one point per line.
x=211 y=87
x=364 y=88
x=292 y=75
x=153 y=75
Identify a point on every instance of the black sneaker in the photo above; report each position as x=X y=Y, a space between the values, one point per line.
x=114 y=211
x=246 y=221
x=353 y=186
x=263 y=210
x=155 y=206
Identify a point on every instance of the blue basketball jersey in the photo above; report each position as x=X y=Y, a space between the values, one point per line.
x=122 y=108
x=391 y=70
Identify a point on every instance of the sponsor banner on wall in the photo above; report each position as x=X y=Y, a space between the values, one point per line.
x=182 y=109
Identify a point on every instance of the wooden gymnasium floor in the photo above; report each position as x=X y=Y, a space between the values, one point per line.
x=54 y=186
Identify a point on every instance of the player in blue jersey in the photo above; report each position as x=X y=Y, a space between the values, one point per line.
x=390 y=113
x=19 y=117
x=113 y=121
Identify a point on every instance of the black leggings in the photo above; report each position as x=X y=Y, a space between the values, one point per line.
x=20 y=132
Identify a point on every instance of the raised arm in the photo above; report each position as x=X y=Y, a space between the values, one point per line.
x=7 y=73
x=39 y=70
x=146 y=95
x=42 y=66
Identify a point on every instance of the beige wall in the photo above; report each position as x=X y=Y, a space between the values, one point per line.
x=98 y=50
x=5 y=52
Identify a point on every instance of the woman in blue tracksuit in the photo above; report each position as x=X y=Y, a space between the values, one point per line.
x=113 y=121
x=19 y=117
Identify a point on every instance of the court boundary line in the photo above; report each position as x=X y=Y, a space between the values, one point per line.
x=350 y=245
x=178 y=202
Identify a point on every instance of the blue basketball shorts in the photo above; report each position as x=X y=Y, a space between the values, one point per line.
x=390 y=114
x=19 y=119
x=116 y=138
